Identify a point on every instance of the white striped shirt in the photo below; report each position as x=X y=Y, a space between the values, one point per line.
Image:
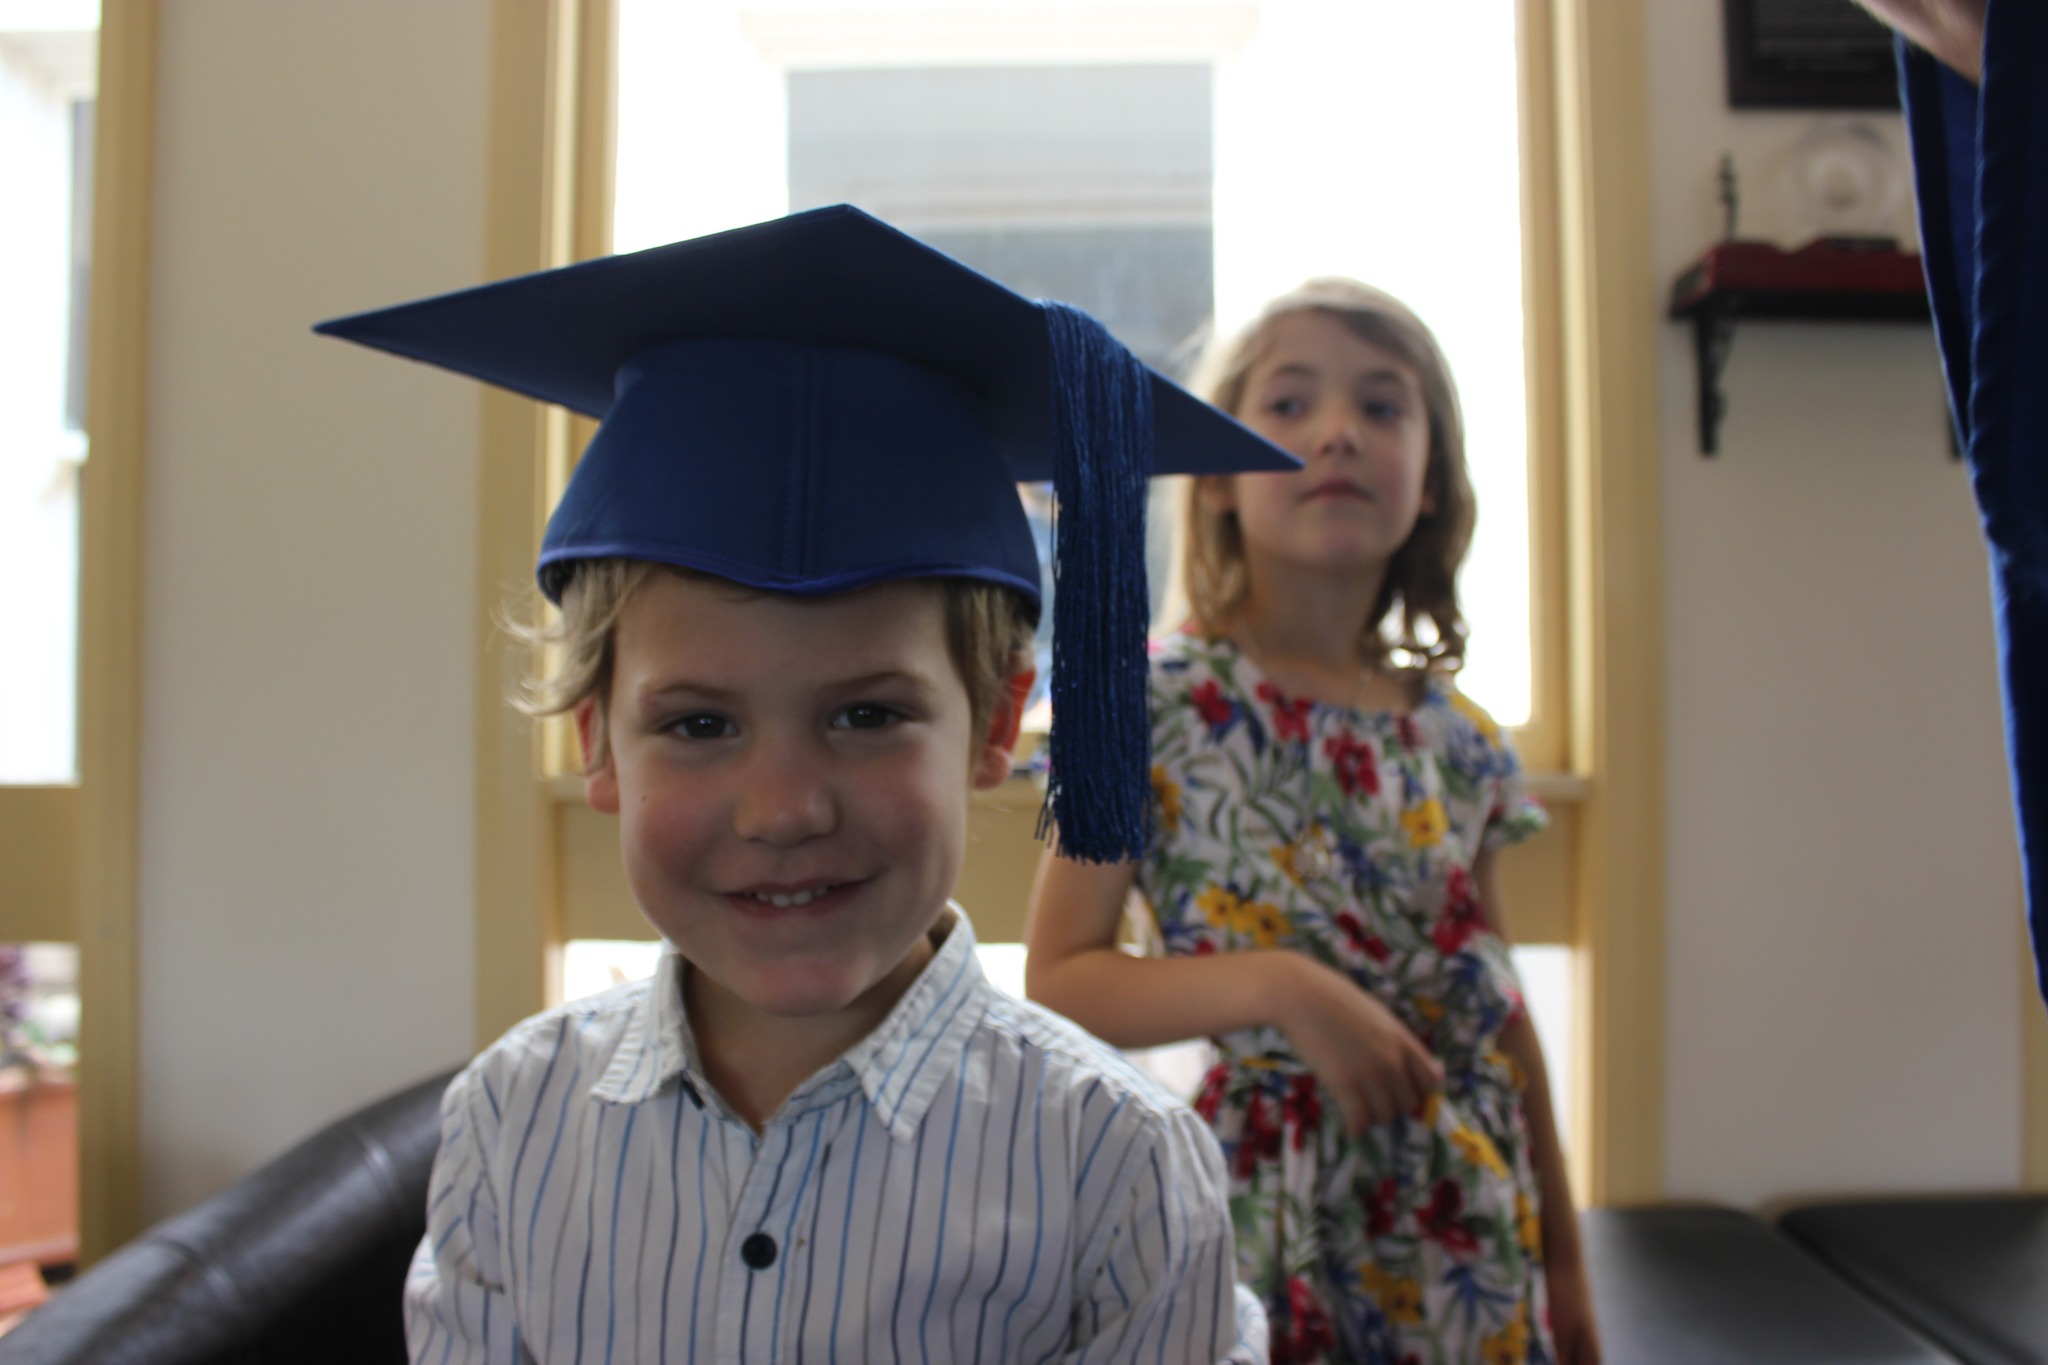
x=977 y=1180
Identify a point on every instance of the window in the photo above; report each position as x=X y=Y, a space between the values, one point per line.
x=1167 y=184
x=47 y=74
x=1083 y=183
x=1167 y=168
x=48 y=77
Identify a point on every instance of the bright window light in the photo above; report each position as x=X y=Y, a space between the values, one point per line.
x=1368 y=138
x=1166 y=164
x=592 y=966
x=1546 y=972
x=47 y=79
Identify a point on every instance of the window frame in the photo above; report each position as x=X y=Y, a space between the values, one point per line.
x=1594 y=312
x=101 y=849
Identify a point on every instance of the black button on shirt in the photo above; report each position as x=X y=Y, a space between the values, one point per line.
x=758 y=1251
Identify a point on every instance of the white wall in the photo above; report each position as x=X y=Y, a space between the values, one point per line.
x=310 y=558
x=1843 y=882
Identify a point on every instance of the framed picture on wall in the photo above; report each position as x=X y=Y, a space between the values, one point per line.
x=1807 y=54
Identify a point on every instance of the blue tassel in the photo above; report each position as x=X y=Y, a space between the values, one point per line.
x=1099 y=794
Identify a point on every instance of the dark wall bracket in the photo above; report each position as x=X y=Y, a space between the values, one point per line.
x=1713 y=336
x=1829 y=280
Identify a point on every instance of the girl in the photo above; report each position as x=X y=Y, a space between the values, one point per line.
x=1327 y=816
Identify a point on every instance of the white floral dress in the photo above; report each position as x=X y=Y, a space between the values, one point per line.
x=1351 y=837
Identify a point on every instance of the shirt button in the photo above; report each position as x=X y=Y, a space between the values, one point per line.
x=758 y=1251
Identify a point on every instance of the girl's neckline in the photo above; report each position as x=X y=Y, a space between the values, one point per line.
x=1427 y=688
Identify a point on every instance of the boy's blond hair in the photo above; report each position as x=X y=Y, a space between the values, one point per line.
x=1422 y=576
x=988 y=636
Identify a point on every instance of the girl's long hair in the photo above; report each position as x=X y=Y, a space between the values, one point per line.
x=1415 y=622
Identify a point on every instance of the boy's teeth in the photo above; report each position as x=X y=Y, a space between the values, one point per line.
x=784 y=902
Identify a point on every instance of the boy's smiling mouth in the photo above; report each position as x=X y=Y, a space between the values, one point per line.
x=794 y=897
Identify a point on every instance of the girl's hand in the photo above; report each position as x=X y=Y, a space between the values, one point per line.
x=1571 y=1313
x=1373 y=1067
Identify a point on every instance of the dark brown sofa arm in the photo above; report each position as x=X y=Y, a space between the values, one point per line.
x=301 y=1261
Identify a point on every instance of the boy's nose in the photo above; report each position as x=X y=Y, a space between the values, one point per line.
x=784 y=800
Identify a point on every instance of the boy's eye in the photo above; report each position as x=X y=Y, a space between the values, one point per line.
x=864 y=715
x=703 y=725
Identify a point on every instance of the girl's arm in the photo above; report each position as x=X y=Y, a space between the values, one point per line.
x=1072 y=965
x=1373 y=1067
x=1571 y=1304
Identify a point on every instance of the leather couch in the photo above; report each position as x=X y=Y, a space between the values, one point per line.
x=301 y=1262
x=1705 y=1285
x=1968 y=1273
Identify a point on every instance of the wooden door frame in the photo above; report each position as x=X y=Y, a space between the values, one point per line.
x=1594 y=311
x=107 y=832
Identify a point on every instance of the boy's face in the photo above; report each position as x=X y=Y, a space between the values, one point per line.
x=791 y=776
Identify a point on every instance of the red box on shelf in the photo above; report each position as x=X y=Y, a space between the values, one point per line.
x=1868 y=276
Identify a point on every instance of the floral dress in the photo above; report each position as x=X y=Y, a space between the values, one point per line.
x=1351 y=836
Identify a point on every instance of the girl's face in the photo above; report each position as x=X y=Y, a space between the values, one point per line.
x=1353 y=412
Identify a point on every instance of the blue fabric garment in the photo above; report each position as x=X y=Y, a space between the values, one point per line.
x=1981 y=164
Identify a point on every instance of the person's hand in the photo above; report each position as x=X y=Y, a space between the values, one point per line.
x=1950 y=31
x=1373 y=1067
x=1571 y=1313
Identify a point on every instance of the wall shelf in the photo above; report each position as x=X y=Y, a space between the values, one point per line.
x=1832 y=279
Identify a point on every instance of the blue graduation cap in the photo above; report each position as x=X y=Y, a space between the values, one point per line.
x=820 y=402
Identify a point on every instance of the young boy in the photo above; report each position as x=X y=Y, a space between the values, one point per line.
x=797 y=592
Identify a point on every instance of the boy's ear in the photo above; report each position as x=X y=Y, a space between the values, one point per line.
x=992 y=764
x=601 y=781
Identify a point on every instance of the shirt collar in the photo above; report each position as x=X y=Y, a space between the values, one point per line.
x=902 y=1064
x=899 y=1066
x=656 y=1045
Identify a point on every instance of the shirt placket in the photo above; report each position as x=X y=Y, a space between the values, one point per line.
x=750 y=1166
x=756 y=1288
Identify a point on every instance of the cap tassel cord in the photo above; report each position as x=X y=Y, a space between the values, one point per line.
x=1099 y=792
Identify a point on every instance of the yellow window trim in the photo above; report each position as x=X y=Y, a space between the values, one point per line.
x=1003 y=857
x=1606 y=317
x=107 y=832
x=38 y=878
x=549 y=202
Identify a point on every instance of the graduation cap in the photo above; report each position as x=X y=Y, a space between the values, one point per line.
x=820 y=402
